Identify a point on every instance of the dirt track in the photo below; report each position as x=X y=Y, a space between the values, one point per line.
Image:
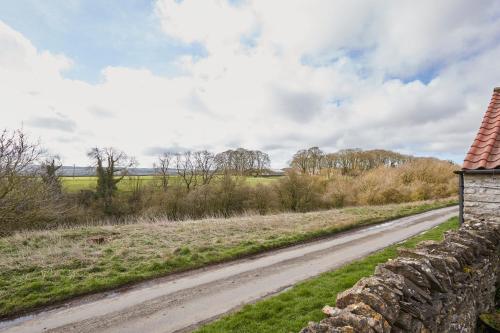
x=181 y=302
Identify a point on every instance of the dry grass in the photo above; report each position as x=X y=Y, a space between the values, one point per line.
x=40 y=267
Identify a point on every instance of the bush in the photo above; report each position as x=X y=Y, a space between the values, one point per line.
x=31 y=204
x=300 y=193
x=262 y=199
x=174 y=203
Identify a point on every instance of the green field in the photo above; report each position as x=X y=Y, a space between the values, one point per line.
x=293 y=309
x=75 y=184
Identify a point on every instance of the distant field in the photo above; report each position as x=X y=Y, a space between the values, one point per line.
x=74 y=184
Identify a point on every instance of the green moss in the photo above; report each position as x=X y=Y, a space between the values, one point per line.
x=491 y=319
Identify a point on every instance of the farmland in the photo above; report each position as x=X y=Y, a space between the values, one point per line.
x=75 y=184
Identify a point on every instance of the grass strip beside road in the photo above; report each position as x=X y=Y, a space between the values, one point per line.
x=39 y=268
x=293 y=309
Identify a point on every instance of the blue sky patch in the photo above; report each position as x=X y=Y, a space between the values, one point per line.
x=95 y=35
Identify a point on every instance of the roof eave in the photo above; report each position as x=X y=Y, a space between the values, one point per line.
x=478 y=172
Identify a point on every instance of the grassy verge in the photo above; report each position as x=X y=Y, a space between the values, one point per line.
x=42 y=267
x=293 y=309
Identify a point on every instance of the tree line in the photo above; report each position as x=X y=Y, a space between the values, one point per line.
x=314 y=161
x=196 y=184
x=30 y=184
x=200 y=167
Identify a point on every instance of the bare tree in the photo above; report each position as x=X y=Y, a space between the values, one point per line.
x=262 y=162
x=49 y=173
x=314 y=157
x=353 y=161
x=349 y=161
x=17 y=158
x=186 y=168
x=162 y=168
x=111 y=167
x=329 y=164
x=25 y=201
x=300 y=161
x=224 y=161
x=206 y=165
x=241 y=161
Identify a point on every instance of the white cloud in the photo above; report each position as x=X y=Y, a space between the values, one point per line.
x=19 y=55
x=213 y=23
x=281 y=75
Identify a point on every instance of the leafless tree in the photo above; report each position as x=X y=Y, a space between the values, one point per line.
x=349 y=161
x=186 y=168
x=300 y=161
x=329 y=164
x=111 y=167
x=49 y=173
x=206 y=166
x=162 y=168
x=25 y=201
x=17 y=158
x=353 y=161
x=262 y=162
x=224 y=162
x=241 y=161
x=315 y=157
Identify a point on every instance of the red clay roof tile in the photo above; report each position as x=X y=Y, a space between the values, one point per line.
x=484 y=152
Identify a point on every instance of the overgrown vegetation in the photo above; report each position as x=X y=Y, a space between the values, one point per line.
x=192 y=185
x=24 y=197
x=293 y=309
x=42 y=267
x=111 y=167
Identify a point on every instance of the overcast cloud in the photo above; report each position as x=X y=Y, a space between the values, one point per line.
x=52 y=123
x=415 y=76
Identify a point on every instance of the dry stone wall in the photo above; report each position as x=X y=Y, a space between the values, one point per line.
x=481 y=197
x=436 y=287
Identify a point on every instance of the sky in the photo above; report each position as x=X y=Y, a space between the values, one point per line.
x=150 y=76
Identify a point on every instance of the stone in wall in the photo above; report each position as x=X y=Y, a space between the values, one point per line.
x=436 y=287
x=481 y=197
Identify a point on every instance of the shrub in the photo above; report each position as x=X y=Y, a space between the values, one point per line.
x=300 y=193
x=230 y=194
x=262 y=199
x=31 y=204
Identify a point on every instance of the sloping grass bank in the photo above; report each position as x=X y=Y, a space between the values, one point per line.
x=42 y=267
x=293 y=309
